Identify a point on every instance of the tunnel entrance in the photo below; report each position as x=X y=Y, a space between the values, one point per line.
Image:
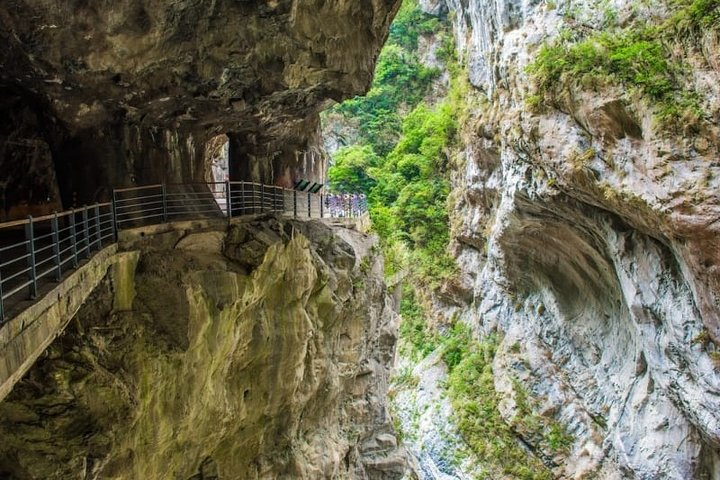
x=217 y=167
x=217 y=153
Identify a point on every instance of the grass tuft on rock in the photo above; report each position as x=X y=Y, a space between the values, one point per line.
x=471 y=389
x=636 y=57
x=417 y=339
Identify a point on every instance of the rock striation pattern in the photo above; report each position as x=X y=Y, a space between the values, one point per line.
x=587 y=236
x=262 y=351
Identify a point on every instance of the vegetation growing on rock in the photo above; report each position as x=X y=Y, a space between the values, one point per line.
x=401 y=158
x=637 y=56
x=401 y=80
x=471 y=389
x=418 y=340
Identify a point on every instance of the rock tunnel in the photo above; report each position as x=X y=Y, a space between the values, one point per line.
x=96 y=95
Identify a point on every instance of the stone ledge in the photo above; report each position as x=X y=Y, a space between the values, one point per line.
x=27 y=335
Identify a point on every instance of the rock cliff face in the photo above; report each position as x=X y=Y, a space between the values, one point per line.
x=587 y=235
x=115 y=93
x=262 y=351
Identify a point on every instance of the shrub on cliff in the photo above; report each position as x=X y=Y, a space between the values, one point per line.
x=636 y=57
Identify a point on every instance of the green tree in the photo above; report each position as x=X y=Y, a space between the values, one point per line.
x=401 y=163
x=400 y=80
x=410 y=22
x=349 y=171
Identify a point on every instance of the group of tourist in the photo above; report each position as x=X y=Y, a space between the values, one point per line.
x=345 y=204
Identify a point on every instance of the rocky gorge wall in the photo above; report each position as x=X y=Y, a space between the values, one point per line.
x=102 y=94
x=260 y=351
x=585 y=229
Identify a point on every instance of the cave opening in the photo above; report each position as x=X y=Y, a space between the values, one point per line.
x=217 y=155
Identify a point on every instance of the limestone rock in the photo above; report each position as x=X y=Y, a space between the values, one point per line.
x=590 y=238
x=210 y=243
x=224 y=64
x=216 y=373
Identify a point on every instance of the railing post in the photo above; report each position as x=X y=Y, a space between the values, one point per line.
x=56 y=247
x=262 y=198
x=309 y=205
x=73 y=239
x=113 y=209
x=228 y=199
x=86 y=231
x=242 y=198
x=30 y=237
x=98 y=236
x=164 y=203
x=321 y=206
x=255 y=195
x=295 y=203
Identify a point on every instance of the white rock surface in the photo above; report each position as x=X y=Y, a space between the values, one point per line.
x=604 y=270
x=424 y=414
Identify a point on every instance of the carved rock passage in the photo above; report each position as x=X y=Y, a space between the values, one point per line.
x=197 y=365
x=113 y=83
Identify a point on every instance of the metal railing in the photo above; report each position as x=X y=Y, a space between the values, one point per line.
x=45 y=248
x=40 y=248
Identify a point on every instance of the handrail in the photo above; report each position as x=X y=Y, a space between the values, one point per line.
x=143 y=187
x=24 y=221
x=43 y=250
x=59 y=241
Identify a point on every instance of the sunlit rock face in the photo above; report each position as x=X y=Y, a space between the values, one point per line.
x=588 y=235
x=130 y=91
x=261 y=352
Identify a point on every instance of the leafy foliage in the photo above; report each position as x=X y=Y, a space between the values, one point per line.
x=471 y=389
x=418 y=341
x=407 y=189
x=410 y=22
x=456 y=345
x=400 y=163
x=350 y=169
x=558 y=438
x=400 y=80
x=411 y=193
x=635 y=57
x=695 y=16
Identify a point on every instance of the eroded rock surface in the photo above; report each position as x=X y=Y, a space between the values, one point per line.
x=587 y=234
x=115 y=93
x=206 y=361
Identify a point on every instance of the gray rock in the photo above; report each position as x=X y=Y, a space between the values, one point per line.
x=589 y=236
